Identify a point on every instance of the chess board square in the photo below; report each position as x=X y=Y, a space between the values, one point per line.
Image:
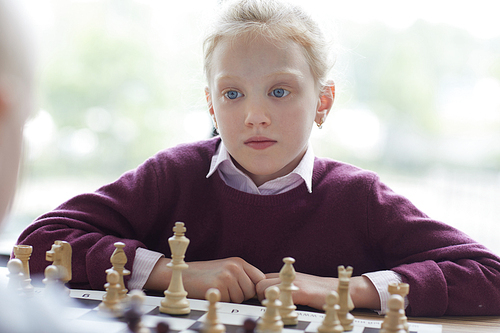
x=194 y=314
x=85 y=303
x=301 y=325
x=198 y=326
x=175 y=323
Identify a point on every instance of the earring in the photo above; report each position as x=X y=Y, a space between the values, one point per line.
x=215 y=124
x=320 y=123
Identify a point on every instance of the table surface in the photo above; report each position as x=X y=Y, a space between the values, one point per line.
x=459 y=324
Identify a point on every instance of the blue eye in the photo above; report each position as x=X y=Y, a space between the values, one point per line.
x=280 y=92
x=232 y=94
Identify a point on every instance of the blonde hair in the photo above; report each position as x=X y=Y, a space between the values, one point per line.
x=274 y=20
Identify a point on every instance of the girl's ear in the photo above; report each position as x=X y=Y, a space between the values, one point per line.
x=325 y=102
x=211 y=108
x=209 y=101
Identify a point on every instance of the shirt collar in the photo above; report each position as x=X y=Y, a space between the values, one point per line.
x=304 y=169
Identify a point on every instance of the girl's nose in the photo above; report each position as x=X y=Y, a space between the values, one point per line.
x=257 y=114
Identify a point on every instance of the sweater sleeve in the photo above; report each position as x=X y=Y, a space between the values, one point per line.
x=121 y=211
x=448 y=272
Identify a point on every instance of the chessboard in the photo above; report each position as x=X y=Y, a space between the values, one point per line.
x=84 y=312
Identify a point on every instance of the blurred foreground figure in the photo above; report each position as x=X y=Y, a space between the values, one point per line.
x=19 y=313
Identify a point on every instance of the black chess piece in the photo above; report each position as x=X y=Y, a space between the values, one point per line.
x=249 y=325
x=162 y=327
x=133 y=318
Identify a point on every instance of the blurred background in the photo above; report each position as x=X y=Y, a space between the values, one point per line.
x=418 y=99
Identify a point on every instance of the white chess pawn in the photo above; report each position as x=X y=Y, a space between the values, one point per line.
x=212 y=323
x=393 y=322
x=53 y=282
x=331 y=323
x=286 y=287
x=16 y=276
x=271 y=319
x=111 y=304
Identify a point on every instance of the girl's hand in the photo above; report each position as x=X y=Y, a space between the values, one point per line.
x=313 y=290
x=234 y=277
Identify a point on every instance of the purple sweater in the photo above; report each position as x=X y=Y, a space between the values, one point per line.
x=351 y=218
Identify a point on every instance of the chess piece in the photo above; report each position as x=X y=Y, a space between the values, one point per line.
x=271 y=319
x=212 y=323
x=54 y=285
x=286 y=287
x=118 y=260
x=133 y=315
x=16 y=276
x=393 y=319
x=249 y=325
x=345 y=301
x=60 y=255
x=23 y=253
x=175 y=301
x=162 y=327
x=331 y=322
x=401 y=289
x=111 y=304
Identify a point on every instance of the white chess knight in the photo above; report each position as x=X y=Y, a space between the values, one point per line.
x=175 y=301
x=60 y=254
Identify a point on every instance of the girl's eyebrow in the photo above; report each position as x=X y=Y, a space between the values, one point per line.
x=286 y=72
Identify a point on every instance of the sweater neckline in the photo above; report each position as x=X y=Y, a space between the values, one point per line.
x=257 y=199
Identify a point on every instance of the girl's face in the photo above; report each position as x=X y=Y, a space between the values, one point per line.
x=264 y=100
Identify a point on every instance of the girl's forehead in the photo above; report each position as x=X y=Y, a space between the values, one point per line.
x=258 y=56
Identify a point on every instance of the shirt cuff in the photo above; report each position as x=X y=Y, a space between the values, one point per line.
x=144 y=262
x=381 y=281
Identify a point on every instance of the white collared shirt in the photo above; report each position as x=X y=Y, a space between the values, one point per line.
x=236 y=179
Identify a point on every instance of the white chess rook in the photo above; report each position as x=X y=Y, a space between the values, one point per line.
x=345 y=301
x=401 y=289
x=23 y=253
x=175 y=301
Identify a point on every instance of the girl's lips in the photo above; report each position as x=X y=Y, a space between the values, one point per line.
x=259 y=143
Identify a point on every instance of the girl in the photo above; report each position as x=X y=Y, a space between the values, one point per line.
x=257 y=194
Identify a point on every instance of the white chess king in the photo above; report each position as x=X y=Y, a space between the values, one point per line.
x=175 y=301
